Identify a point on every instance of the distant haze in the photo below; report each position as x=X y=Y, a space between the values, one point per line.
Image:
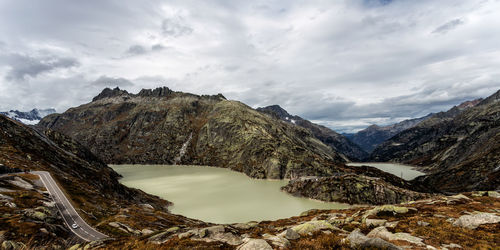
x=343 y=64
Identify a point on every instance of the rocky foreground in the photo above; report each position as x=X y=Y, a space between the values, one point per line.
x=463 y=221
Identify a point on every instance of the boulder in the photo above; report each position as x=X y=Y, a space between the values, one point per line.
x=312 y=226
x=278 y=240
x=359 y=240
x=475 y=220
x=291 y=234
x=254 y=244
x=375 y=222
x=387 y=210
x=20 y=183
x=494 y=194
x=146 y=231
x=383 y=233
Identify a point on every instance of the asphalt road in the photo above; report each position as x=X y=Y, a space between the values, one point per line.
x=68 y=212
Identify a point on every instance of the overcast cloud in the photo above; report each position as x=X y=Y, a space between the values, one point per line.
x=345 y=64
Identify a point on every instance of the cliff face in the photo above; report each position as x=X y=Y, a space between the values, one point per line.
x=459 y=148
x=165 y=127
x=336 y=141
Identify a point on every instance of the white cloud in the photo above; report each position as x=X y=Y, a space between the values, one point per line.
x=339 y=62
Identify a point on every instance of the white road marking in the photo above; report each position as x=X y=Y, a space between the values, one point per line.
x=50 y=184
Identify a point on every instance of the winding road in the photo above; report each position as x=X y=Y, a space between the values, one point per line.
x=68 y=212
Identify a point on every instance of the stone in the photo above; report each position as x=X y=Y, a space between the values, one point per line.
x=278 y=241
x=494 y=194
x=451 y=245
x=21 y=183
x=228 y=238
x=185 y=235
x=146 y=206
x=312 y=226
x=375 y=222
x=387 y=209
x=215 y=229
x=458 y=197
x=475 y=220
x=254 y=244
x=146 y=231
x=359 y=240
x=75 y=247
x=383 y=233
x=172 y=229
x=291 y=234
x=242 y=226
x=391 y=224
x=423 y=223
x=159 y=238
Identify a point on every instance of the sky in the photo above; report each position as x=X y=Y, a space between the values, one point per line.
x=344 y=64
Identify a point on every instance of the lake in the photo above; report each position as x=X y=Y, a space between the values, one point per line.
x=404 y=171
x=218 y=195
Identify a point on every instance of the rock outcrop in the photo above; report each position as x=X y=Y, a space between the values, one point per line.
x=155 y=126
x=352 y=189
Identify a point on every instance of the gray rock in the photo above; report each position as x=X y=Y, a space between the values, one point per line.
x=312 y=226
x=278 y=241
x=254 y=244
x=146 y=231
x=20 y=183
x=375 y=222
x=475 y=220
x=494 y=194
x=359 y=240
x=451 y=245
x=146 y=206
x=242 y=226
x=383 y=233
x=228 y=238
x=291 y=234
x=423 y=223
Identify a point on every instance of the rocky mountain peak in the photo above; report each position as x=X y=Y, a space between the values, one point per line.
x=107 y=93
x=276 y=110
x=157 y=92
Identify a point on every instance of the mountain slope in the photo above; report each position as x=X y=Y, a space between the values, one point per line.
x=31 y=117
x=91 y=186
x=369 y=138
x=161 y=126
x=331 y=138
x=459 y=148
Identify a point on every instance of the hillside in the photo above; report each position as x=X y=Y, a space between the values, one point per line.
x=30 y=216
x=459 y=148
x=338 y=142
x=161 y=126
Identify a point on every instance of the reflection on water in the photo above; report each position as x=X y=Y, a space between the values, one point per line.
x=217 y=195
x=404 y=171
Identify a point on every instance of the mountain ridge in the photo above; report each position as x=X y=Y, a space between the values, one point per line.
x=331 y=138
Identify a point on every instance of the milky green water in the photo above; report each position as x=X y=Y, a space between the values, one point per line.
x=404 y=171
x=217 y=195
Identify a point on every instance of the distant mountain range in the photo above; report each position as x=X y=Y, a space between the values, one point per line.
x=331 y=138
x=30 y=117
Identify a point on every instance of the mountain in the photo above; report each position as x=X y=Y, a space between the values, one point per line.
x=459 y=148
x=369 y=138
x=161 y=126
x=31 y=117
x=338 y=142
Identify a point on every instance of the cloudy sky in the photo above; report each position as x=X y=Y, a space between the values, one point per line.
x=344 y=64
